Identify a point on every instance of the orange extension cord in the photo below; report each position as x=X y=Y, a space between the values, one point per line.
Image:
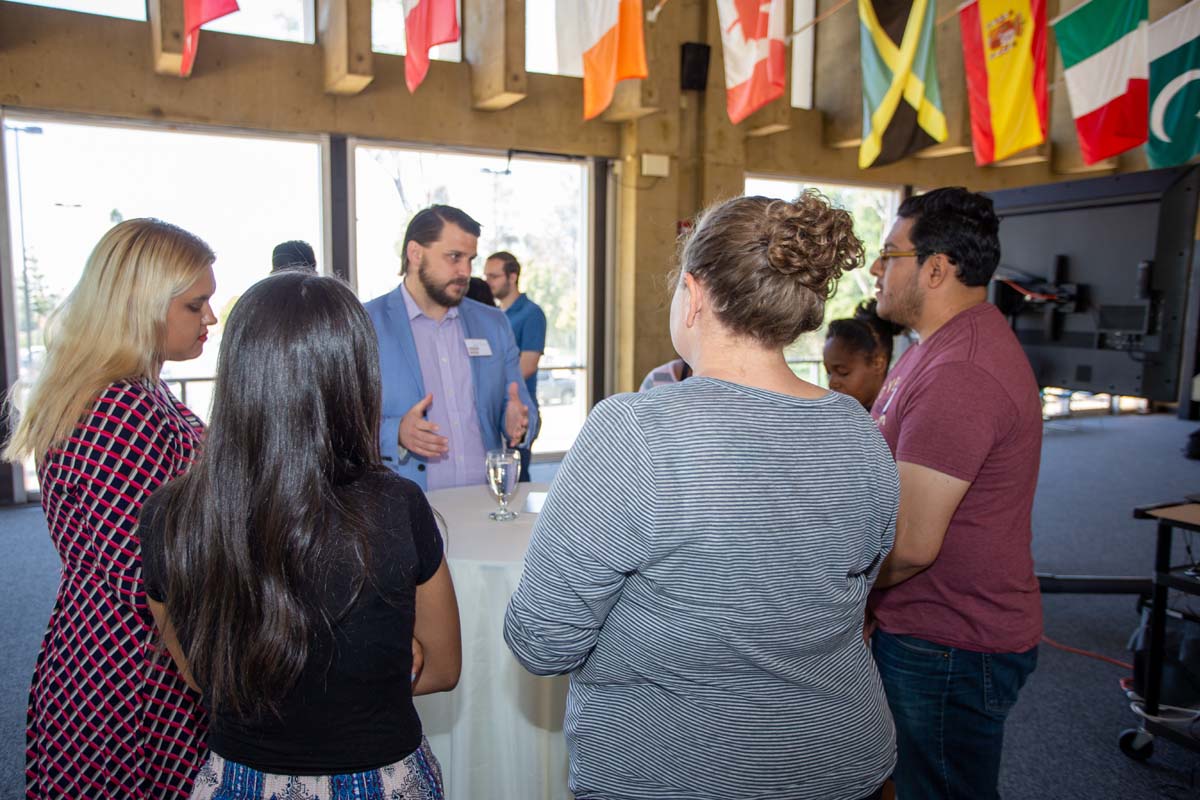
x=1087 y=653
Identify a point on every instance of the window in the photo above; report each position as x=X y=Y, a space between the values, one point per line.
x=68 y=183
x=288 y=20
x=123 y=9
x=535 y=208
x=387 y=32
x=874 y=209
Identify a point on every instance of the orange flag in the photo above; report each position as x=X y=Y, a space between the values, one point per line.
x=607 y=35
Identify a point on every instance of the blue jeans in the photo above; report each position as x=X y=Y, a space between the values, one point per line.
x=949 y=706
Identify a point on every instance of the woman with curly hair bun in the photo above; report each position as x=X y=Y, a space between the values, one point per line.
x=702 y=562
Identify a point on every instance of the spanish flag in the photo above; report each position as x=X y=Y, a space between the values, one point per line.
x=606 y=37
x=902 y=106
x=1004 y=50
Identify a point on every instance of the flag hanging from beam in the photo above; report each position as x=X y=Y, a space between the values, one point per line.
x=902 y=106
x=1004 y=52
x=604 y=37
x=755 y=57
x=1107 y=69
x=427 y=23
x=1175 y=87
x=195 y=14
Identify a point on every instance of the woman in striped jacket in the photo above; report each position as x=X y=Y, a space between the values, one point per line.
x=703 y=559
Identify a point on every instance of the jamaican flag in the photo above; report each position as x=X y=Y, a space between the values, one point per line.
x=902 y=107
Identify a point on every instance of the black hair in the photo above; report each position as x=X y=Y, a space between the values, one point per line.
x=961 y=225
x=866 y=332
x=250 y=529
x=293 y=255
x=426 y=227
x=479 y=291
x=511 y=265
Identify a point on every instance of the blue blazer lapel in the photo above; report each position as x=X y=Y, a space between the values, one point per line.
x=401 y=331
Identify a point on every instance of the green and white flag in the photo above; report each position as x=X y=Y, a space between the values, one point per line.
x=1175 y=87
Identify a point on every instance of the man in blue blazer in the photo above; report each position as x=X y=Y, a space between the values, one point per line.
x=452 y=385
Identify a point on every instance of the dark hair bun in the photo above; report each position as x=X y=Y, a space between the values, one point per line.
x=867 y=312
x=812 y=241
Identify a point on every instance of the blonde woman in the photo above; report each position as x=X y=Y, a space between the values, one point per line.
x=109 y=714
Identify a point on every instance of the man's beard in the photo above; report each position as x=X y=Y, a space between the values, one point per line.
x=904 y=308
x=439 y=294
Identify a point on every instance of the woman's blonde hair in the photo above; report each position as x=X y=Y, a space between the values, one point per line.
x=111 y=327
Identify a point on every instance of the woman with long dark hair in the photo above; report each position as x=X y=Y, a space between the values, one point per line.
x=290 y=571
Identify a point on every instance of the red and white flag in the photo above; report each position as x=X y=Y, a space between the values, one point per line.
x=752 y=34
x=427 y=23
x=195 y=14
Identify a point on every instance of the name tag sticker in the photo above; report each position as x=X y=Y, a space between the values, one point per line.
x=478 y=347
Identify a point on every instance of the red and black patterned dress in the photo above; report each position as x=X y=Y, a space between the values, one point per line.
x=109 y=714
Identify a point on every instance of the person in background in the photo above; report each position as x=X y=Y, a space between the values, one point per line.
x=502 y=272
x=957 y=603
x=289 y=570
x=479 y=291
x=703 y=576
x=110 y=717
x=293 y=255
x=452 y=381
x=858 y=352
x=671 y=372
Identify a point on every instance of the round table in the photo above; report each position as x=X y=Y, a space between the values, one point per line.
x=499 y=733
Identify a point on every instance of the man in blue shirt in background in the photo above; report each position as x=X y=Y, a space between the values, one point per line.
x=502 y=272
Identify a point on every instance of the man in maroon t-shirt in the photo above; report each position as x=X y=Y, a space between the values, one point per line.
x=957 y=605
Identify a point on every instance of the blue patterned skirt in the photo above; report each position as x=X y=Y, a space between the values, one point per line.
x=417 y=777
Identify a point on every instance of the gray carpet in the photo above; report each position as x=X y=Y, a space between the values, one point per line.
x=1062 y=738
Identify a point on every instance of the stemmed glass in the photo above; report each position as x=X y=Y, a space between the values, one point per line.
x=503 y=468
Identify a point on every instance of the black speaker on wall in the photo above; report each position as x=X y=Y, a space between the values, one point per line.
x=693 y=66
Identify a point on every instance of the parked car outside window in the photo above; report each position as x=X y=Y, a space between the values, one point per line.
x=555 y=387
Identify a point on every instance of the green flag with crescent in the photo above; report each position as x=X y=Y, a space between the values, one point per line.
x=1175 y=87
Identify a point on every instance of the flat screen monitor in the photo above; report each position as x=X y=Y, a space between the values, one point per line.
x=1094 y=277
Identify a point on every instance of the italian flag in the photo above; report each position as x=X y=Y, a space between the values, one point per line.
x=755 y=56
x=1104 y=53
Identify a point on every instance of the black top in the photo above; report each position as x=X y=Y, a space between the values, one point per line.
x=358 y=713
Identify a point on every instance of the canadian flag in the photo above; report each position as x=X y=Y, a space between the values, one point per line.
x=426 y=23
x=195 y=14
x=752 y=34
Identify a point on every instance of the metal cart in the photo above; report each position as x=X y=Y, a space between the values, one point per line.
x=1138 y=743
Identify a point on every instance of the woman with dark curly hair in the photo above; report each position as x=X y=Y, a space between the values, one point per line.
x=702 y=562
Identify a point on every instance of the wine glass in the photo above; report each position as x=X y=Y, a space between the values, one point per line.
x=503 y=468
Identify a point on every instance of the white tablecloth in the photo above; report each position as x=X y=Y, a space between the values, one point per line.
x=498 y=735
